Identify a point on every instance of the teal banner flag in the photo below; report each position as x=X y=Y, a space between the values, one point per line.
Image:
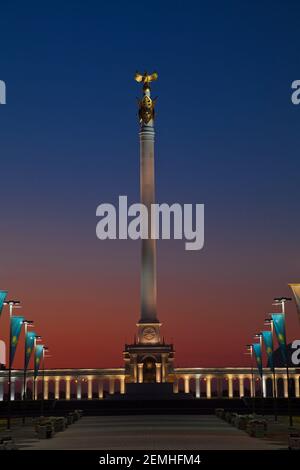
x=15 y=330
x=268 y=342
x=29 y=346
x=38 y=359
x=3 y=295
x=279 y=326
x=257 y=353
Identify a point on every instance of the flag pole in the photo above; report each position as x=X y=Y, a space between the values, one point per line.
x=24 y=397
x=9 y=369
x=37 y=338
x=45 y=348
x=269 y=321
x=262 y=383
x=282 y=301
x=11 y=304
x=253 y=384
x=252 y=387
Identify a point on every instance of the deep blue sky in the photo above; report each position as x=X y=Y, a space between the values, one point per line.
x=227 y=136
x=224 y=111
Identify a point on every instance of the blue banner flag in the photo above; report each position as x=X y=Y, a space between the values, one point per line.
x=268 y=342
x=38 y=359
x=3 y=294
x=15 y=330
x=257 y=353
x=279 y=326
x=29 y=345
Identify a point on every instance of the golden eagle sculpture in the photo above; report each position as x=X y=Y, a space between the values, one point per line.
x=146 y=77
x=146 y=104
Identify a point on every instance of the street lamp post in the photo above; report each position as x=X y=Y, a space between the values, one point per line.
x=269 y=321
x=26 y=323
x=37 y=338
x=11 y=304
x=263 y=383
x=45 y=348
x=250 y=352
x=282 y=301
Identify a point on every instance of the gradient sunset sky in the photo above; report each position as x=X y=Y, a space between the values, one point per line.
x=227 y=135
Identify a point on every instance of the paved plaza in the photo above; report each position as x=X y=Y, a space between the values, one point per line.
x=150 y=432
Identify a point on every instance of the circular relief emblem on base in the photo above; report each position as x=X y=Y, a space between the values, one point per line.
x=149 y=333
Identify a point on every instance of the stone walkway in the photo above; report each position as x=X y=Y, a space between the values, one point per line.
x=149 y=433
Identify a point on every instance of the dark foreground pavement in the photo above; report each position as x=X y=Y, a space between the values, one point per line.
x=178 y=432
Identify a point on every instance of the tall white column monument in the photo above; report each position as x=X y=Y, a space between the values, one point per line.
x=153 y=356
x=148 y=325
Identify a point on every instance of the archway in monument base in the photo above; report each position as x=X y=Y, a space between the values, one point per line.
x=247 y=387
x=269 y=387
x=149 y=370
x=280 y=388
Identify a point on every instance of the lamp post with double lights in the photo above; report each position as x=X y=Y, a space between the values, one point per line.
x=45 y=349
x=269 y=322
x=249 y=352
x=37 y=338
x=281 y=301
x=26 y=323
x=12 y=304
x=259 y=337
x=263 y=391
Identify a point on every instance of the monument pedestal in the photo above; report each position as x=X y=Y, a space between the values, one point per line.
x=147 y=363
x=150 y=392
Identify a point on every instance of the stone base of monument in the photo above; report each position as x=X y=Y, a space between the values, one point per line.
x=150 y=391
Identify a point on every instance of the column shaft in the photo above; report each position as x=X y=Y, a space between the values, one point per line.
x=135 y=372
x=208 y=387
x=275 y=386
x=79 y=389
x=46 y=389
x=12 y=389
x=198 y=392
x=24 y=388
x=163 y=369
x=36 y=387
x=147 y=188
x=90 y=388
x=241 y=387
x=264 y=386
x=285 y=387
x=158 y=372
x=56 y=389
x=122 y=385
x=230 y=387
x=111 y=385
x=1 y=390
x=68 y=389
x=100 y=389
x=140 y=372
x=297 y=394
x=252 y=387
x=186 y=385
